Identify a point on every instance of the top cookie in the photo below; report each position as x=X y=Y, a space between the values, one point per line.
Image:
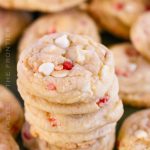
x=66 y=68
x=12 y=24
x=140 y=35
x=40 y=5
x=135 y=132
x=72 y=21
x=117 y=16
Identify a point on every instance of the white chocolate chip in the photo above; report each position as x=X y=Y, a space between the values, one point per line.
x=46 y=68
x=62 y=41
x=49 y=48
x=141 y=134
x=132 y=67
x=60 y=74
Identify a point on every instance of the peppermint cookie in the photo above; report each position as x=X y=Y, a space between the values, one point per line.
x=11 y=113
x=78 y=63
x=135 y=132
x=12 y=24
x=133 y=72
x=64 y=70
x=75 y=108
x=69 y=21
x=33 y=143
x=40 y=5
x=140 y=35
x=6 y=140
x=117 y=16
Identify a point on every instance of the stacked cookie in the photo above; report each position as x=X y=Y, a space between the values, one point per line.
x=70 y=91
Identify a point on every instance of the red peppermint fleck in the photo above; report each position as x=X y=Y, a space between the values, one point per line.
x=120 y=72
x=53 y=122
x=52 y=30
x=119 y=6
x=27 y=135
x=67 y=65
x=131 y=52
x=102 y=101
x=51 y=86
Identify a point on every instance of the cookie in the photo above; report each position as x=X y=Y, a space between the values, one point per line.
x=70 y=109
x=73 y=123
x=11 y=113
x=6 y=140
x=135 y=132
x=140 y=35
x=40 y=5
x=63 y=139
x=133 y=72
x=12 y=24
x=72 y=21
x=117 y=16
x=74 y=75
x=106 y=142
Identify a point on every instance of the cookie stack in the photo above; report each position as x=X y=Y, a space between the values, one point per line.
x=70 y=92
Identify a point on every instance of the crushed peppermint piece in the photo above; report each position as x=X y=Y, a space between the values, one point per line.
x=62 y=41
x=59 y=67
x=131 y=52
x=67 y=65
x=119 y=6
x=27 y=135
x=60 y=74
x=46 y=68
x=53 y=122
x=51 y=86
x=120 y=72
x=141 y=134
x=102 y=101
x=52 y=30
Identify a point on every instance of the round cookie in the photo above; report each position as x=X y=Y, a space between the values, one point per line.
x=63 y=139
x=65 y=68
x=117 y=16
x=72 y=21
x=40 y=5
x=6 y=140
x=133 y=72
x=11 y=113
x=106 y=142
x=74 y=123
x=12 y=24
x=140 y=35
x=71 y=109
x=135 y=132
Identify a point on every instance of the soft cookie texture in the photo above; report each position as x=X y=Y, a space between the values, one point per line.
x=140 y=35
x=70 y=91
x=79 y=68
x=40 y=5
x=6 y=140
x=32 y=143
x=72 y=21
x=11 y=113
x=12 y=24
x=133 y=72
x=117 y=16
x=135 y=132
